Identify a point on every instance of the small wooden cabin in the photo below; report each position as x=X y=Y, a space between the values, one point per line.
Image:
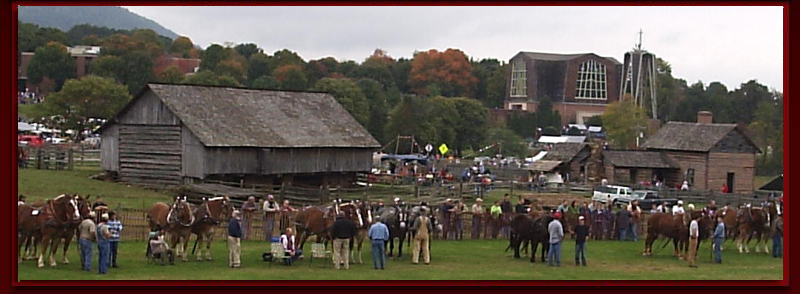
x=632 y=167
x=709 y=155
x=176 y=134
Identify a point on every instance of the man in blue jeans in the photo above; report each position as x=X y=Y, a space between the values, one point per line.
x=777 y=238
x=581 y=234
x=103 y=244
x=87 y=236
x=556 y=235
x=378 y=234
x=623 y=223
x=719 y=237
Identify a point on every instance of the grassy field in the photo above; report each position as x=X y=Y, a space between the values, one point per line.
x=451 y=260
x=47 y=184
x=466 y=260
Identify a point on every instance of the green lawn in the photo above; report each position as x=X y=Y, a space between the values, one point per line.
x=451 y=260
x=47 y=184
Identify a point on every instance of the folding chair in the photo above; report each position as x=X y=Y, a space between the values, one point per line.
x=277 y=253
x=318 y=251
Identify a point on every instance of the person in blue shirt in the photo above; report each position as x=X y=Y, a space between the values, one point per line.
x=115 y=227
x=234 y=240
x=719 y=237
x=378 y=234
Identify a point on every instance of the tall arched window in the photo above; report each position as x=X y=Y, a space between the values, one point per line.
x=591 y=83
x=519 y=86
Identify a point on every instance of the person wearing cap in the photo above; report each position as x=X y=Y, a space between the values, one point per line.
x=115 y=226
x=234 y=240
x=556 y=235
x=159 y=246
x=271 y=209
x=86 y=239
x=581 y=234
x=378 y=235
x=477 y=216
x=342 y=231
x=719 y=237
x=248 y=209
x=103 y=244
x=678 y=208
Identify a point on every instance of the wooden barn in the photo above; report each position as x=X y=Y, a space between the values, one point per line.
x=709 y=155
x=632 y=167
x=574 y=158
x=178 y=134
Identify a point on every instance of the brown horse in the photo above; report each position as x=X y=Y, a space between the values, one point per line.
x=361 y=214
x=176 y=220
x=754 y=222
x=210 y=214
x=59 y=215
x=676 y=229
x=312 y=221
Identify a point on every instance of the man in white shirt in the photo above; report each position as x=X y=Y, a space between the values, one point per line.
x=663 y=208
x=678 y=209
x=685 y=186
x=290 y=246
x=271 y=210
x=694 y=233
x=477 y=216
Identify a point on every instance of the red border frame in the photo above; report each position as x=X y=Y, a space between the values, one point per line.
x=12 y=176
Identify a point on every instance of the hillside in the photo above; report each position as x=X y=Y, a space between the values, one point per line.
x=65 y=17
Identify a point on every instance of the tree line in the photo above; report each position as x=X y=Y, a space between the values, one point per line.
x=437 y=96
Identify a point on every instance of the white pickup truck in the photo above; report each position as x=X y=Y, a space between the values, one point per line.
x=609 y=194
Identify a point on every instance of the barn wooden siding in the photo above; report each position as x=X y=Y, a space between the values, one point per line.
x=310 y=160
x=109 y=156
x=149 y=144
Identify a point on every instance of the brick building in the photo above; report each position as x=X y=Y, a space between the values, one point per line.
x=83 y=55
x=580 y=85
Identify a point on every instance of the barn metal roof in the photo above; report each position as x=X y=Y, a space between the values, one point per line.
x=238 y=117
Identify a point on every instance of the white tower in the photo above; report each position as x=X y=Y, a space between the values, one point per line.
x=639 y=77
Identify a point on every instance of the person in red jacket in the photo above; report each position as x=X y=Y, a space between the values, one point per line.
x=724 y=188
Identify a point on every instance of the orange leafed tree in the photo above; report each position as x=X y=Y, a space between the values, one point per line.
x=450 y=71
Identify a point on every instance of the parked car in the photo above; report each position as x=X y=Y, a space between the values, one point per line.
x=646 y=199
x=30 y=140
x=609 y=194
x=55 y=140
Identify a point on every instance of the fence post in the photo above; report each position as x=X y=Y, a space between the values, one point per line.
x=70 y=161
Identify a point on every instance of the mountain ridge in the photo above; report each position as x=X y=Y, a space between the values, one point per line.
x=65 y=17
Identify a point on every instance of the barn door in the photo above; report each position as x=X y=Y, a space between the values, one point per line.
x=150 y=155
x=731 y=180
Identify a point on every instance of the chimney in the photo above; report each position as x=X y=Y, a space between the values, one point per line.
x=705 y=117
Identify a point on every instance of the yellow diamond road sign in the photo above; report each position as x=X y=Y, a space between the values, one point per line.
x=443 y=148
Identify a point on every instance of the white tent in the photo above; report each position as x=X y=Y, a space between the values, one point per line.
x=580 y=127
x=24 y=127
x=575 y=139
x=552 y=139
x=594 y=129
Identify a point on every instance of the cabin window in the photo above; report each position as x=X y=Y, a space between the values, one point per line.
x=591 y=83
x=519 y=87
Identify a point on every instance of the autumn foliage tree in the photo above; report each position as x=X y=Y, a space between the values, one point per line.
x=449 y=71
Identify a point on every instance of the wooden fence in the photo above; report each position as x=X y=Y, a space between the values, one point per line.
x=60 y=156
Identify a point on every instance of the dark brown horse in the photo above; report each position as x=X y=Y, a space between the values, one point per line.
x=675 y=228
x=176 y=220
x=210 y=214
x=527 y=229
x=59 y=215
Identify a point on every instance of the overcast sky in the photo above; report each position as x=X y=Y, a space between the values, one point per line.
x=727 y=44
